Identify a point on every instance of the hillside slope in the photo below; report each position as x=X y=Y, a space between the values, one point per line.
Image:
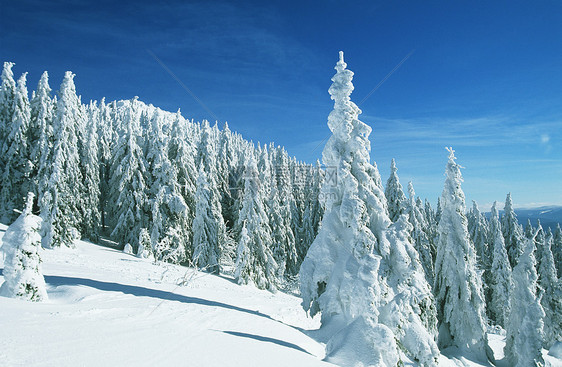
x=109 y=308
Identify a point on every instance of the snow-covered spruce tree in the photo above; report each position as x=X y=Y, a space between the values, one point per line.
x=364 y=277
x=525 y=325
x=557 y=249
x=269 y=194
x=41 y=133
x=540 y=240
x=294 y=251
x=90 y=168
x=296 y=205
x=313 y=209
x=394 y=194
x=438 y=211
x=15 y=151
x=22 y=265
x=254 y=263
x=145 y=251
x=500 y=282
x=169 y=230
x=209 y=230
x=108 y=139
x=458 y=286
x=419 y=236
x=7 y=98
x=128 y=198
x=512 y=232
x=529 y=231
x=60 y=204
x=479 y=232
x=226 y=162
x=552 y=298
x=181 y=152
x=431 y=229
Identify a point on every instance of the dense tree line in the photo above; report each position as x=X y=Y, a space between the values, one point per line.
x=170 y=188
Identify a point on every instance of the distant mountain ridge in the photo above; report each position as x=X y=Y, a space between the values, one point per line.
x=548 y=215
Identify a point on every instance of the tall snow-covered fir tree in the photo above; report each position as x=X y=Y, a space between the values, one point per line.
x=254 y=262
x=168 y=225
x=524 y=327
x=22 y=264
x=512 y=232
x=226 y=160
x=394 y=194
x=7 y=99
x=294 y=250
x=356 y=270
x=209 y=230
x=529 y=231
x=90 y=168
x=41 y=133
x=419 y=236
x=60 y=204
x=557 y=249
x=128 y=197
x=458 y=285
x=479 y=231
x=500 y=282
x=108 y=139
x=16 y=155
x=551 y=300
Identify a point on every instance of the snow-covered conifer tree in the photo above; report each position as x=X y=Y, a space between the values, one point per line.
x=500 y=282
x=168 y=225
x=209 y=230
x=394 y=194
x=15 y=152
x=286 y=207
x=512 y=232
x=525 y=325
x=22 y=265
x=41 y=132
x=108 y=140
x=557 y=249
x=181 y=152
x=419 y=236
x=90 y=168
x=529 y=231
x=128 y=197
x=479 y=231
x=145 y=250
x=458 y=286
x=226 y=160
x=358 y=272
x=540 y=240
x=255 y=263
x=7 y=98
x=313 y=209
x=552 y=298
x=60 y=204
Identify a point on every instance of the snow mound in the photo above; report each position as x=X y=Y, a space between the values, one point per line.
x=363 y=343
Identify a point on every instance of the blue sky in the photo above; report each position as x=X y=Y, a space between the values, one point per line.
x=484 y=77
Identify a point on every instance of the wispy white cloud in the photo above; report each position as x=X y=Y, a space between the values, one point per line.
x=472 y=132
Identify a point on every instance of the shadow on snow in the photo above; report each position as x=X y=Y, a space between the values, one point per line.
x=266 y=339
x=55 y=280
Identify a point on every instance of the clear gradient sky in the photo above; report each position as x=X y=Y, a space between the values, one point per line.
x=483 y=76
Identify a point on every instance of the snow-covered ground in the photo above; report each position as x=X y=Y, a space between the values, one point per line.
x=109 y=308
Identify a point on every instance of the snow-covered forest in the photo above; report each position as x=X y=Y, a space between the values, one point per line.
x=394 y=278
